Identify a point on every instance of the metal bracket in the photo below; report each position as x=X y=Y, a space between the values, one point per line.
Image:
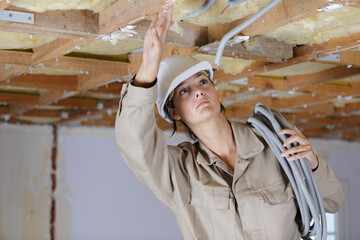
x=331 y=58
x=243 y=81
x=21 y=17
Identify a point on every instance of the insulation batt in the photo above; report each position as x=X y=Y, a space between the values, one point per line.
x=12 y=40
x=227 y=64
x=321 y=28
x=44 y=5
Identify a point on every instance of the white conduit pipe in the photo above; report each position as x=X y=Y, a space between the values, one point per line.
x=239 y=28
x=269 y=123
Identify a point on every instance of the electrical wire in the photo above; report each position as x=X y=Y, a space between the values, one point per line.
x=207 y=4
x=269 y=122
x=239 y=28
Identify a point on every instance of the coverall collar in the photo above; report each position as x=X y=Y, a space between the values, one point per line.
x=247 y=144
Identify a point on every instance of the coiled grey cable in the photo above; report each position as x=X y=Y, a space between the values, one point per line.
x=269 y=123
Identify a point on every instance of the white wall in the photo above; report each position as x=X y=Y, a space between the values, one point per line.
x=100 y=196
x=344 y=158
x=25 y=182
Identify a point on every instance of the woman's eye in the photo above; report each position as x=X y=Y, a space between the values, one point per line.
x=203 y=81
x=183 y=91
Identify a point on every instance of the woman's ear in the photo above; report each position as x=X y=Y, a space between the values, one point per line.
x=173 y=114
x=219 y=99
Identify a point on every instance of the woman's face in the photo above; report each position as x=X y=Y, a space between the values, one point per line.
x=195 y=100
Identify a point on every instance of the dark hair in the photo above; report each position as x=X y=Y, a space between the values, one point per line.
x=170 y=104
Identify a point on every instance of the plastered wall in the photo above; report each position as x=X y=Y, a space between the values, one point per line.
x=25 y=182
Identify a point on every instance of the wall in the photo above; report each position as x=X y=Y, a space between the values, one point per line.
x=344 y=158
x=25 y=182
x=98 y=197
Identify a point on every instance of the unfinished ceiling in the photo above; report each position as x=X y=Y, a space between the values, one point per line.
x=69 y=65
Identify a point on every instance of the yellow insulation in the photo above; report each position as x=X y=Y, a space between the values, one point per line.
x=320 y=28
x=12 y=40
x=102 y=47
x=299 y=69
x=44 y=5
x=227 y=64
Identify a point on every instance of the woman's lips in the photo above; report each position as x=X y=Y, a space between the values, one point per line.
x=202 y=103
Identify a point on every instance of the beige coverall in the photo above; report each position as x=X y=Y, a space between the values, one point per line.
x=209 y=200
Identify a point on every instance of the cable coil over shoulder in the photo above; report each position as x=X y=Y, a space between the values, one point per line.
x=269 y=122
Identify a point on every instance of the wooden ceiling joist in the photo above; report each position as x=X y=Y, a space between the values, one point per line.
x=71 y=63
x=5 y=3
x=73 y=24
x=350 y=58
x=41 y=81
x=268 y=50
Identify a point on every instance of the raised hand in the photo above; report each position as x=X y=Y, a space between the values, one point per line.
x=303 y=150
x=153 y=49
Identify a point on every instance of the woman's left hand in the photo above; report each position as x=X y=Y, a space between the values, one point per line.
x=303 y=150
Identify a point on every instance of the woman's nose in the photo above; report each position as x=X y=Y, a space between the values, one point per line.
x=198 y=93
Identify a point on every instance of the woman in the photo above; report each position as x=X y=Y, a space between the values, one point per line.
x=228 y=184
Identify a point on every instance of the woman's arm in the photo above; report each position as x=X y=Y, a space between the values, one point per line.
x=142 y=145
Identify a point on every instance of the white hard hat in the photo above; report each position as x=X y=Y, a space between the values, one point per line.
x=172 y=71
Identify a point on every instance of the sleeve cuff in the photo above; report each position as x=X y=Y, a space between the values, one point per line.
x=139 y=95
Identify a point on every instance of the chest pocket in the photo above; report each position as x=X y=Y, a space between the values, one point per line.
x=214 y=210
x=279 y=209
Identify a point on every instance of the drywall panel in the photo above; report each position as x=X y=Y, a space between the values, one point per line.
x=344 y=158
x=25 y=186
x=99 y=198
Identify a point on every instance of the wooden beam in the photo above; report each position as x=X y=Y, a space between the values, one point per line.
x=7 y=71
x=57 y=48
x=111 y=88
x=268 y=50
x=19 y=98
x=93 y=80
x=351 y=58
x=350 y=107
x=4 y=110
x=286 y=12
x=352 y=89
x=123 y=12
x=5 y=3
x=72 y=63
x=58 y=23
x=327 y=75
x=43 y=113
x=77 y=103
x=303 y=54
x=50 y=96
x=68 y=83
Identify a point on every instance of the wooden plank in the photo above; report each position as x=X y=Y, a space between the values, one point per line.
x=72 y=63
x=350 y=107
x=111 y=88
x=352 y=89
x=286 y=12
x=43 y=113
x=50 y=96
x=77 y=102
x=5 y=3
x=93 y=80
x=268 y=50
x=327 y=75
x=58 y=23
x=123 y=12
x=57 y=48
x=351 y=58
x=42 y=81
x=19 y=108
x=18 y=98
x=7 y=71
x=4 y=110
